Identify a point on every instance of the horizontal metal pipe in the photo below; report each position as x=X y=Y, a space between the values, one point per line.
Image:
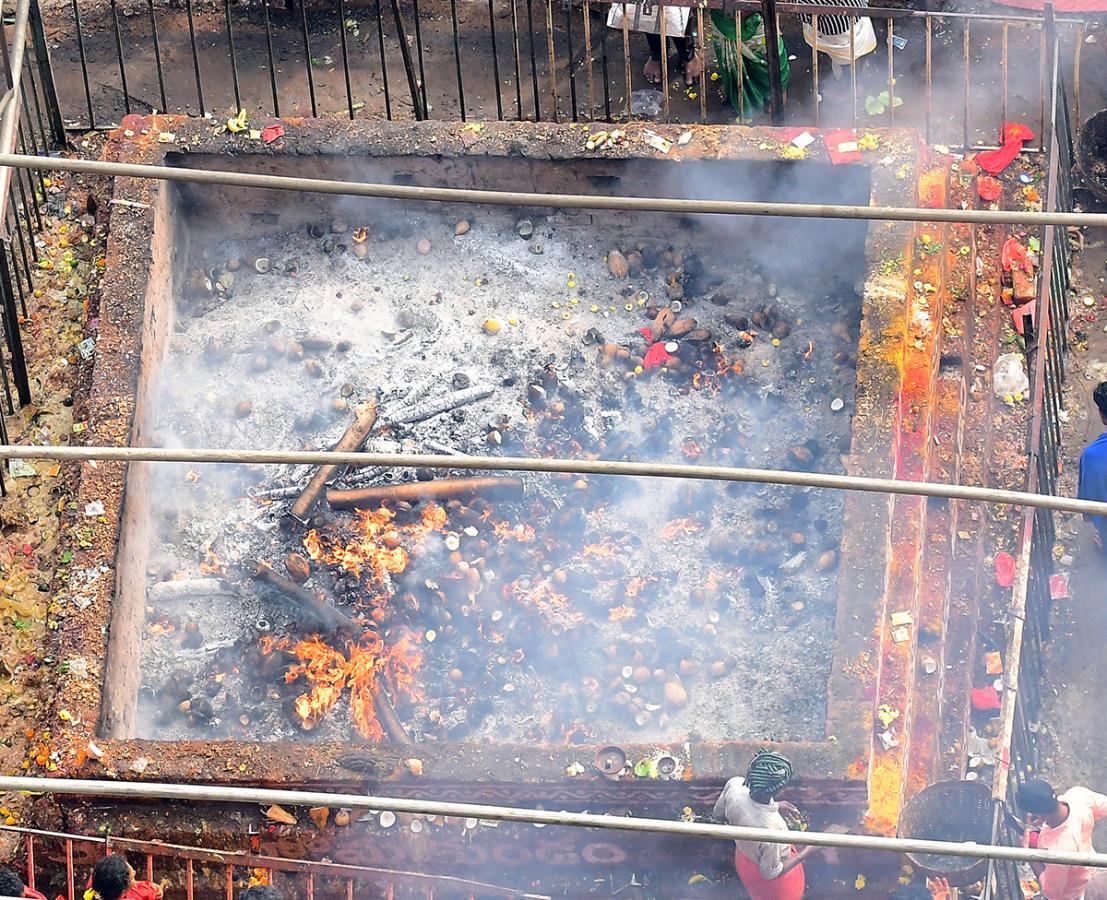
x=134 y=790
x=571 y=466
x=222 y=178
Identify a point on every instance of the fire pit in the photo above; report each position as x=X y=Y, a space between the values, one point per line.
x=306 y=627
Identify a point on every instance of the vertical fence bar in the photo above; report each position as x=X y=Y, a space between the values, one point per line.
x=30 y=837
x=457 y=59
x=119 y=56
x=1006 y=79
x=70 y=878
x=195 y=58
x=572 y=73
x=189 y=893
x=517 y=60
x=586 y=20
x=815 y=66
x=346 y=57
x=46 y=77
x=496 y=59
x=15 y=338
x=664 y=61
x=606 y=76
x=1077 y=52
x=269 y=54
x=149 y=866
x=45 y=134
x=384 y=64
x=772 y=57
x=157 y=55
x=533 y=62
x=853 y=72
x=307 y=55
x=929 y=77
x=311 y=886
x=84 y=63
x=349 y=889
x=552 y=53
x=234 y=58
x=701 y=49
x=417 y=90
x=230 y=882
x=626 y=60
x=419 y=53
x=741 y=68
x=966 y=43
x=891 y=73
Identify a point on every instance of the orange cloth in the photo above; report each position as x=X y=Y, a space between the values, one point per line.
x=1074 y=835
x=143 y=890
x=789 y=886
x=32 y=894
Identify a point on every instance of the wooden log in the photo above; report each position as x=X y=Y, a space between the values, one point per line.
x=440 y=489
x=390 y=722
x=435 y=406
x=312 y=610
x=187 y=588
x=349 y=442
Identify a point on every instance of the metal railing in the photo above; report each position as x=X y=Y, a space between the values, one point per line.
x=1031 y=595
x=540 y=60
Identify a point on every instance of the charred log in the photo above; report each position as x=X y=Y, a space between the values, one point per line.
x=310 y=610
x=440 y=489
x=349 y=442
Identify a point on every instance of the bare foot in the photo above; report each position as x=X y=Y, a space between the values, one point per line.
x=693 y=69
x=652 y=72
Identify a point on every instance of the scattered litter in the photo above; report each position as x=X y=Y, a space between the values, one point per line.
x=279 y=814
x=646 y=102
x=271 y=133
x=685 y=138
x=803 y=139
x=888 y=740
x=877 y=105
x=887 y=714
x=95 y=508
x=993 y=663
x=899 y=42
x=1058 y=586
x=235 y=124
x=988 y=188
x=132 y=204
x=166 y=137
x=842 y=146
x=657 y=142
x=837 y=404
x=388 y=819
x=985 y=699
x=20 y=468
x=140 y=765
x=87 y=348
x=1015 y=135
x=1005 y=569
x=574 y=769
x=1009 y=376
x=901 y=635
x=902 y=618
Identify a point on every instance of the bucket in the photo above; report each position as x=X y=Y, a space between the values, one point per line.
x=1091 y=154
x=950 y=811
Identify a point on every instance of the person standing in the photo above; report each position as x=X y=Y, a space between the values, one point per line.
x=11 y=885
x=833 y=36
x=768 y=870
x=1093 y=468
x=1063 y=822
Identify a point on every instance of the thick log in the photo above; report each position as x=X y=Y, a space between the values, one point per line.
x=349 y=442
x=312 y=610
x=425 y=409
x=441 y=489
x=386 y=715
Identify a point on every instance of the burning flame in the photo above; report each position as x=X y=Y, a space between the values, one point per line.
x=520 y=532
x=365 y=668
x=212 y=564
x=605 y=549
x=555 y=608
x=377 y=549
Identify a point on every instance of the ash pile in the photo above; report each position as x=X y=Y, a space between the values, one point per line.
x=389 y=604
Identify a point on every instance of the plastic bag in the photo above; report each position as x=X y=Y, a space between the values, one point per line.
x=646 y=17
x=646 y=102
x=1009 y=376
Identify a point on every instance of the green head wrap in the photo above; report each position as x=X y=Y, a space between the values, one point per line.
x=768 y=773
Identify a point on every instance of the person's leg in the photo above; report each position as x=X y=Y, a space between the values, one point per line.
x=690 y=57
x=652 y=72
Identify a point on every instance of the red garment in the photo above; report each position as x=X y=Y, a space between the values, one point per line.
x=789 y=886
x=1014 y=254
x=656 y=357
x=1005 y=569
x=143 y=890
x=988 y=188
x=32 y=894
x=1015 y=135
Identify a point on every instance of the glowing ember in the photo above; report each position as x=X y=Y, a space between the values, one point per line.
x=680 y=527
x=555 y=608
x=520 y=532
x=212 y=564
x=605 y=549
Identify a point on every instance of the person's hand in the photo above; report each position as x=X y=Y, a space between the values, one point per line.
x=789 y=810
x=939 y=888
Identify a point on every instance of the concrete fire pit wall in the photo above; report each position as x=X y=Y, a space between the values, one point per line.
x=832 y=772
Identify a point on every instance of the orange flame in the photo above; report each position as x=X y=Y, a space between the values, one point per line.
x=554 y=607
x=679 y=527
x=520 y=531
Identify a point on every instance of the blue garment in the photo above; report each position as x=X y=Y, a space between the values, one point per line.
x=1093 y=477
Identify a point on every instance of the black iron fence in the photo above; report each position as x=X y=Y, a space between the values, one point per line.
x=1018 y=750
x=950 y=74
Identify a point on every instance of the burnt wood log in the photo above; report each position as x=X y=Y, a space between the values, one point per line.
x=349 y=442
x=386 y=715
x=310 y=609
x=441 y=489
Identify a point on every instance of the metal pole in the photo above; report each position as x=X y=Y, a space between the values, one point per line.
x=10 y=120
x=543 y=464
x=11 y=326
x=132 y=790
x=772 y=58
x=556 y=201
x=46 y=74
x=409 y=66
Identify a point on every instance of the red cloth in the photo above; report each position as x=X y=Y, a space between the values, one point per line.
x=1015 y=134
x=834 y=139
x=270 y=133
x=1005 y=569
x=988 y=188
x=143 y=890
x=32 y=894
x=1014 y=253
x=789 y=886
x=985 y=699
x=656 y=357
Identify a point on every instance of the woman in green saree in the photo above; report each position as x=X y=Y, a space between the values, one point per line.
x=742 y=64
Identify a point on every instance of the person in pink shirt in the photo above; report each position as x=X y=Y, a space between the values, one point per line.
x=1064 y=822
